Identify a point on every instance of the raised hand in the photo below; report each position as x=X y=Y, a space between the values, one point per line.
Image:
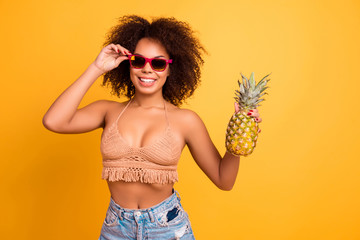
x=110 y=57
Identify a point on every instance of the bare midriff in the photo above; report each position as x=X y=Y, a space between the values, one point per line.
x=137 y=195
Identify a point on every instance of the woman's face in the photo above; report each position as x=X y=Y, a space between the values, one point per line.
x=146 y=80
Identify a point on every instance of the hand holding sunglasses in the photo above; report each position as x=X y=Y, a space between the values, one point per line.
x=110 y=57
x=157 y=64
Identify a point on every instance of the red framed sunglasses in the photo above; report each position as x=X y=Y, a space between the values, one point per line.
x=157 y=64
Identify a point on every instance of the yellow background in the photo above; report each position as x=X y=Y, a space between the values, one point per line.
x=301 y=182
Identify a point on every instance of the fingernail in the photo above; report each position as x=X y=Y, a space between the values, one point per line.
x=250 y=110
x=117 y=50
x=249 y=114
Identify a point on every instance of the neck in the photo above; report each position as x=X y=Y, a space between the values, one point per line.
x=148 y=101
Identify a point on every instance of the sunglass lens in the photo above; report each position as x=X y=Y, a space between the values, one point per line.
x=137 y=61
x=158 y=64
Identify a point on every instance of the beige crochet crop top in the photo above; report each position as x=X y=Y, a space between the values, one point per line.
x=153 y=163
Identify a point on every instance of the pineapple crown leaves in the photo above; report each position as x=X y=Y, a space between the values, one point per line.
x=249 y=93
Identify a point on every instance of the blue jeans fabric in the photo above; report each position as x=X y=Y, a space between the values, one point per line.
x=166 y=220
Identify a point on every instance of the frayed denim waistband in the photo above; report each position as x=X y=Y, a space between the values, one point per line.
x=130 y=214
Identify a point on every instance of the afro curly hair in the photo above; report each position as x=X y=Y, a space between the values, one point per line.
x=180 y=43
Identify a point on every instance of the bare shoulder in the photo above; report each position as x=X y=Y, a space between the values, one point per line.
x=182 y=114
x=185 y=119
x=103 y=109
x=187 y=115
x=108 y=103
x=104 y=103
x=111 y=107
x=103 y=106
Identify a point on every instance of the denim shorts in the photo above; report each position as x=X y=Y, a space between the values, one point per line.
x=166 y=220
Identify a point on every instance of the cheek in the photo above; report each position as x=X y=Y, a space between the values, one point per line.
x=132 y=75
x=164 y=75
x=166 y=72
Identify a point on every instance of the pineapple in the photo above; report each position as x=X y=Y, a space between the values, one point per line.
x=242 y=131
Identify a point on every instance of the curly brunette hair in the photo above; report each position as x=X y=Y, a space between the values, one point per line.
x=180 y=43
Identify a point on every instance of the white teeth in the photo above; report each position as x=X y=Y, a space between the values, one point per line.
x=146 y=80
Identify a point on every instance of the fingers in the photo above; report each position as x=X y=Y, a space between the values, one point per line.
x=117 y=48
x=122 y=50
x=111 y=56
x=255 y=113
x=237 y=109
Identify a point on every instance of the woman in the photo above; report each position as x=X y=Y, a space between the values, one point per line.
x=157 y=66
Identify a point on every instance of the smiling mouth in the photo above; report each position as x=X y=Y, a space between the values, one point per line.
x=147 y=80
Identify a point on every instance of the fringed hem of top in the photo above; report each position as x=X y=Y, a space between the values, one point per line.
x=142 y=175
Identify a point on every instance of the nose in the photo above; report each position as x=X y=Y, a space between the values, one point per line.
x=147 y=68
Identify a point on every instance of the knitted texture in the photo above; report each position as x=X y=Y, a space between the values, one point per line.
x=154 y=163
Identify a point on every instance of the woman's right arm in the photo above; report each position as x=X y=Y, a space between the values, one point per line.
x=63 y=116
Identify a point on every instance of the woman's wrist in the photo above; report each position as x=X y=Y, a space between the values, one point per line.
x=98 y=71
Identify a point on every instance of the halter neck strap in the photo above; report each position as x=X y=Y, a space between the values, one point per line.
x=124 y=109
x=166 y=115
x=127 y=105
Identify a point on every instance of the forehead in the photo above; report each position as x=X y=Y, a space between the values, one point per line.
x=150 y=48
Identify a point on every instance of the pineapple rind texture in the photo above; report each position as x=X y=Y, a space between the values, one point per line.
x=242 y=131
x=241 y=144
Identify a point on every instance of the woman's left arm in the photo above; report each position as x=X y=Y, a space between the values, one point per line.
x=222 y=171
